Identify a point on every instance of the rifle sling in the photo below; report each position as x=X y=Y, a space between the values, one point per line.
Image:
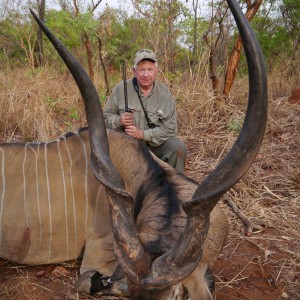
x=136 y=88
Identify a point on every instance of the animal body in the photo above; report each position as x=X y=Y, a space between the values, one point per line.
x=103 y=194
x=52 y=206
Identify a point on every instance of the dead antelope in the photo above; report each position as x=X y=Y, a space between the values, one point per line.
x=135 y=216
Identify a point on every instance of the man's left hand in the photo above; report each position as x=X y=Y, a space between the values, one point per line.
x=134 y=132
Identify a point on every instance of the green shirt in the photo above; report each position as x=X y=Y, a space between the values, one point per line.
x=159 y=105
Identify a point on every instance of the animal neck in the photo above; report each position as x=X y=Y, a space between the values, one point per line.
x=127 y=158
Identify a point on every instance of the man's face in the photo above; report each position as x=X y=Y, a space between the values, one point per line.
x=146 y=73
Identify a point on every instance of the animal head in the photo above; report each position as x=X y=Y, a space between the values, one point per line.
x=155 y=274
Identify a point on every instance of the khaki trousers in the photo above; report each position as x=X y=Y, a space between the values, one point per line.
x=172 y=151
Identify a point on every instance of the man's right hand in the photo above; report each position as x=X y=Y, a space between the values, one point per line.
x=126 y=119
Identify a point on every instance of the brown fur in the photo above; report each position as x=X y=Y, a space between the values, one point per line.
x=134 y=168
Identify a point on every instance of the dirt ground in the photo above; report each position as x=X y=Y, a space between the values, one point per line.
x=262 y=265
x=247 y=269
x=243 y=271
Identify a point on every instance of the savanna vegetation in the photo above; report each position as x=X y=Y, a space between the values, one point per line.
x=201 y=61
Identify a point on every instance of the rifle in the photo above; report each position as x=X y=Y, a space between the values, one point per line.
x=127 y=109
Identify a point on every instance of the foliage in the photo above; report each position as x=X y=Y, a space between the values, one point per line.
x=125 y=39
x=171 y=28
x=234 y=125
x=278 y=29
x=290 y=10
x=63 y=25
x=17 y=38
x=69 y=28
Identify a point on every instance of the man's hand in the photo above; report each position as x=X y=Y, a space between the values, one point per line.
x=126 y=119
x=134 y=132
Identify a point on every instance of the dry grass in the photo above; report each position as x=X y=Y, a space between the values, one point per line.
x=38 y=106
x=269 y=194
x=45 y=105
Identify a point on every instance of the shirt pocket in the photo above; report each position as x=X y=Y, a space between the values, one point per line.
x=155 y=117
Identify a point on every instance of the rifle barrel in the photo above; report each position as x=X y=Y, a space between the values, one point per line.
x=125 y=86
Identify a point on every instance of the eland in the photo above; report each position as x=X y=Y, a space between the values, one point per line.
x=143 y=229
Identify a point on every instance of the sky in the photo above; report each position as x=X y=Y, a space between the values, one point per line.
x=54 y=4
x=111 y=3
x=125 y=5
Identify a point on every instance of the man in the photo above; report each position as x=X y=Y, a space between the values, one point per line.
x=152 y=114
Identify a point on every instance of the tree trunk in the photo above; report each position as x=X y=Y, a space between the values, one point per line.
x=103 y=64
x=236 y=51
x=89 y=52
x=213 y=44
x=39 y=47
x=213 y=69
x=195 y=33
x=87 y=44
